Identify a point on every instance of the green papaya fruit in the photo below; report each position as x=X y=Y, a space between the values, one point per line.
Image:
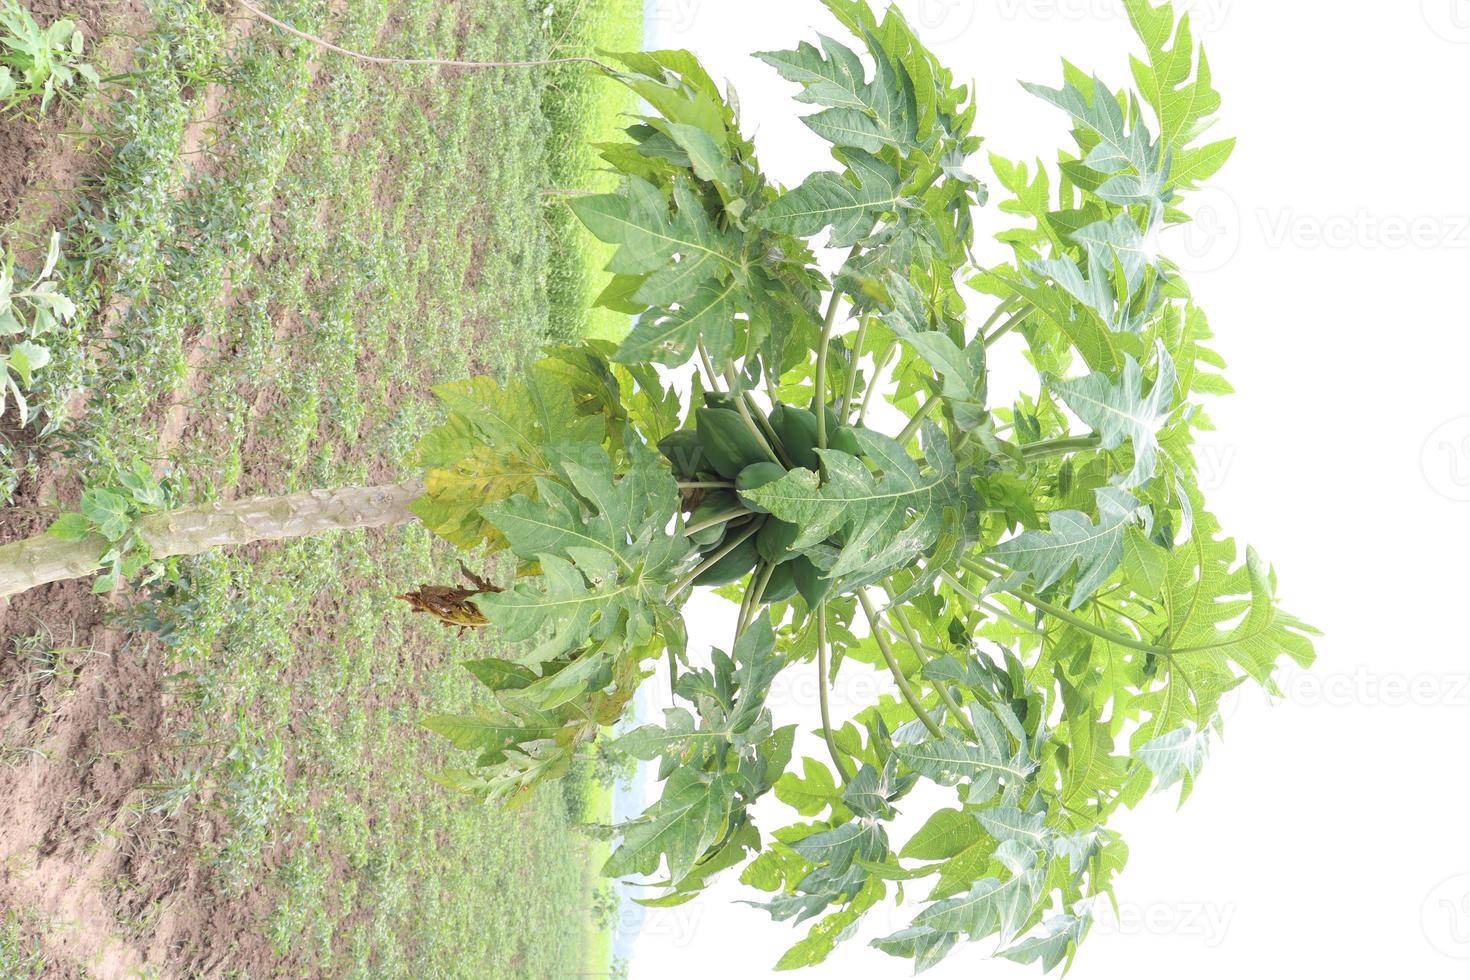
x=684 y=453
x=782 y=584
x=845 y=441
x=810 y=582
x=719 y=399
x=734 y=566
x=797 y=430
x=753 y=478
x=728 y=443
x=774 y=541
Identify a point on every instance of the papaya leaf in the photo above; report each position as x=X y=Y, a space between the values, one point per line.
x=961 y=369
x=1136 y=167
x=1120 y=412
x=871 y=510
x=1074 y=540
x=605 y=556
x=869 y=116
x=677 y=829
x=1183 y=98
x=1063 y=933
x=849 y=203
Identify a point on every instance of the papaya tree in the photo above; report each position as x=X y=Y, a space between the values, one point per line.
x=802 y=419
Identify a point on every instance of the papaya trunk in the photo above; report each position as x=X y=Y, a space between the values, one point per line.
x=42 y=559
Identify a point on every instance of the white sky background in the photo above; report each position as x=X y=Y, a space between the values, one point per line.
x=1327 y=833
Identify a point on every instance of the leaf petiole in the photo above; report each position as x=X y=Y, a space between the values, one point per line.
x=820 y=405
x=717 y=520
x=904 y=687
x=842 y=769
x=1061 y=447
x=912 y=639
x=878 y=367
x=753 y=597
x=1008 y=326
x=742 y=406
x=1071 y=619
x=852 y=370
x=714 y=559
x=984 y=606
x=912 y=429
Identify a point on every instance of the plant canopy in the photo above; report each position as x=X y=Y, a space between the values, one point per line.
x=1060 y=612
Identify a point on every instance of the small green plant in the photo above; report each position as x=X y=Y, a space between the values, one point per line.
x=36 y=60
x=27 y=317
x=112 y=512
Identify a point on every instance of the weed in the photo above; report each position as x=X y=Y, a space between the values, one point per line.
x=31 y=314
x=36 y=60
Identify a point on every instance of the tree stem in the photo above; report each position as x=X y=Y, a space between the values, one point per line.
x=44 y=559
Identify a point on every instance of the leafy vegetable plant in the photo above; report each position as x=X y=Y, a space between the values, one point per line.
x=36 y=60
x=1039 y=573
x=26 y=317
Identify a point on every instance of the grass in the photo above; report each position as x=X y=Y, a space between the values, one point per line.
x=586 y=110
x=20 y=956
x=267 y=299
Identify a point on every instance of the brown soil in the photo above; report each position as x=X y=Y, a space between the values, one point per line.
x=116 y=887
x=106 y=887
